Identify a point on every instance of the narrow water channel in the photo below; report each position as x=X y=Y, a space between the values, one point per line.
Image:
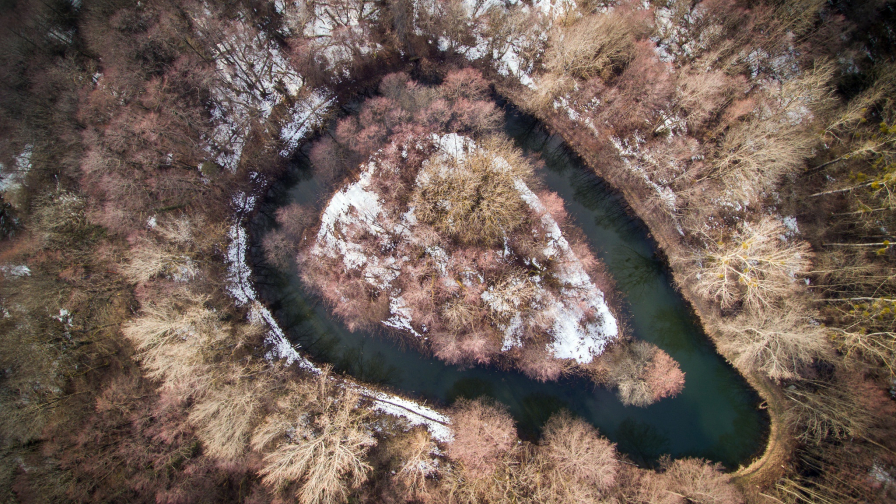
x=715 y=417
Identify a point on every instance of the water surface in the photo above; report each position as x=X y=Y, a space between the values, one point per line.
x=715 y=417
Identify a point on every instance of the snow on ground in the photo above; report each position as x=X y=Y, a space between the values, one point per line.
x=304 y=115
x=633 y=157
x=791 y=226
x=350 y=213
x=575 y=336
x=554 y=8
x=253 y=77
x=400 y=316
x=454 y=145
x=13 y=179
x=239 y=285
x=336 y=32
x=673 y=40
x=562 y=104
x=415 y=413
x=506 y=53
x=582 y=323
x=510 y=63
x=14 y=270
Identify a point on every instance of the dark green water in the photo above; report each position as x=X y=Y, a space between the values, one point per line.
x=715 y=417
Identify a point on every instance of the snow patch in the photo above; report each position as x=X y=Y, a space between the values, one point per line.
x=416 y=414
x=401 y=316
x=14 y=179
x=303 y=116
x=791 y=226
x=15 y=270
x=633 y=157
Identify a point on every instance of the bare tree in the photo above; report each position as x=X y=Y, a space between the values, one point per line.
x=415 y=450
x=701 y=93
x=777 y=138
x=226 y=414
x=473 y=197
x=642 y=373
x=172 y=249
x=150 y=258
x=317 y=441
x=780 y=341
x=593 y=45
x=173 y=338
x=829 y=410
x=483 y=432
x=698 y=481
x=578 y=452
x=754 y=265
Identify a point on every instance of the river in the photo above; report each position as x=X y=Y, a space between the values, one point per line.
x=715 y=417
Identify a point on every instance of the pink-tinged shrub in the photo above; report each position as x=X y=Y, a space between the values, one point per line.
x=328 y=157
x=465 y=83
x=448 y=349
x=279 y=249
x=437 y=114
x=483 y=432
x=553 y=205
x=394 y=85
x=346 y=130
x=480 y=346
x=642 y=373
x=473 y=115
x=536 y=363
x=293 y=219
x=664 y=376
x=381 y=111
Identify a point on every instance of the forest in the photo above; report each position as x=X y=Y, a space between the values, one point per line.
x=754 y=139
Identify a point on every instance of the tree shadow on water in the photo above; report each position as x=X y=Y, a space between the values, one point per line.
x=674 y=331
x=537 y=408
x=470 y=388
x=634 y=272
x=370 y=368
x=642 y=442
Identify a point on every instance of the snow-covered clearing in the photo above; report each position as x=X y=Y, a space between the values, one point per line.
x=575 y=337
x=336 y=33
x=634 y=157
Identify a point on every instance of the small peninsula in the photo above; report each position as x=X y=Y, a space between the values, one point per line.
x=439 y=236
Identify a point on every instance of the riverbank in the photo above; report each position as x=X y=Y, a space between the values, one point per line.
x=767 y=467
